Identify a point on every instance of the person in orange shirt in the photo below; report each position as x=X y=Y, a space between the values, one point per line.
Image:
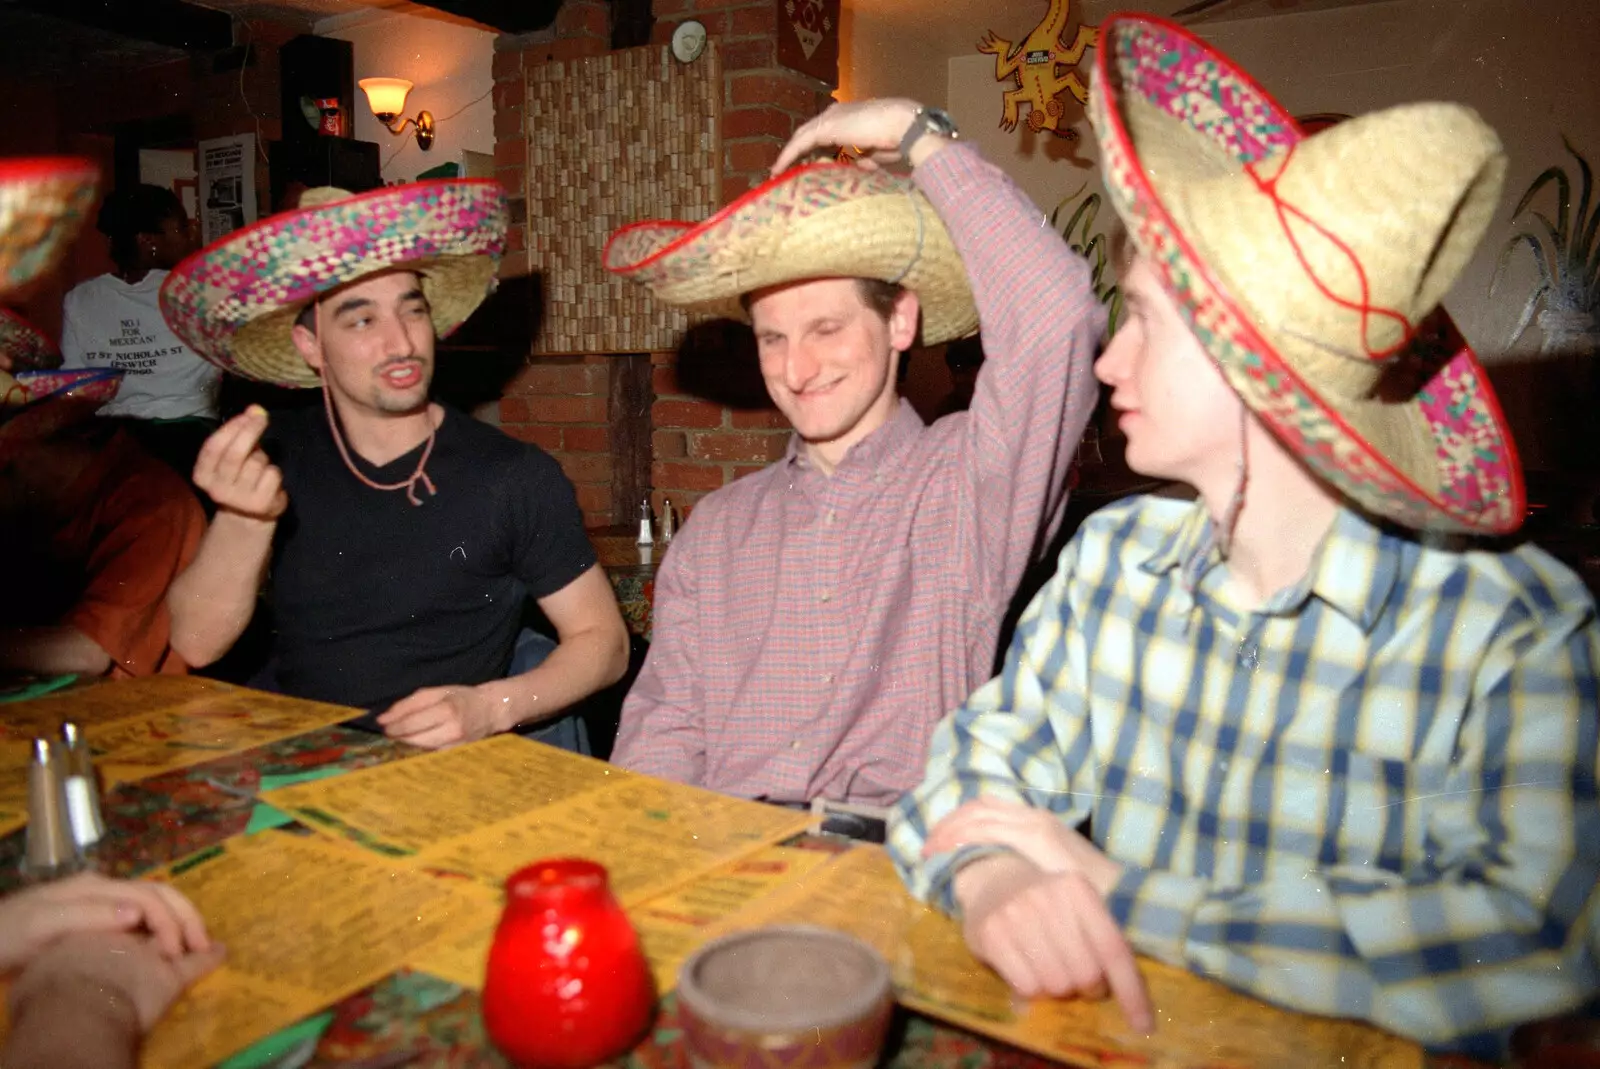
x=92 y=532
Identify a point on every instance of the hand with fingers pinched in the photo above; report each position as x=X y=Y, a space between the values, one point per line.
x=236 y=473
x=33 y=919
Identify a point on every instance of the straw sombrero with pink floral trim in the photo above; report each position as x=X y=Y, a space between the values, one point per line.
x=43 y=204
x=24 y=345
x=826 y=220
x=1311 y=269
x=235 y=301
x=36 y=404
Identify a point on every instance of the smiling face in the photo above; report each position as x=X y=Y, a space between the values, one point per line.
x=828 y=358
x=1179 y=414
x=376 y=352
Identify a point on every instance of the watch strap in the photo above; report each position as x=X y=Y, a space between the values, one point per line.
x=924 y=120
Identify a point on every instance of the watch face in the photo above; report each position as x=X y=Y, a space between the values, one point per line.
x=688 y=41
x=940 y=122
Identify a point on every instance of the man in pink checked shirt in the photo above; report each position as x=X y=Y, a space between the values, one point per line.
x=815 y=620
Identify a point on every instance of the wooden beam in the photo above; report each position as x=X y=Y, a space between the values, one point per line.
x=507 y=16
x=172 y=23
x=631 y=23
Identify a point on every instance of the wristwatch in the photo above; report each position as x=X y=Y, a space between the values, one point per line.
x=928 y=121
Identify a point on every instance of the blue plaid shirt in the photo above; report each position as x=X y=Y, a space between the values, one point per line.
x=1374 y=797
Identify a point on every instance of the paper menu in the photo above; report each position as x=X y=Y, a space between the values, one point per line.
x=13 y=785
x=137 y=730
x=650 y=835
x=106 y=701
x=149 y=744
x=1200 y=1023
x=435 y=798
x=487 y=809
x=307 y=922
x=674 y=925
x=670 y=926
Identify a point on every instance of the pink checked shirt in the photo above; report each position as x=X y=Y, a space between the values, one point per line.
x=810 y=630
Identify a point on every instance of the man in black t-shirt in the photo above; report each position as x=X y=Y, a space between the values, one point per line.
x=403 y=537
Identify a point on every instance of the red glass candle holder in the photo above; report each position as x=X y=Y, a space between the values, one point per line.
x=568 y=986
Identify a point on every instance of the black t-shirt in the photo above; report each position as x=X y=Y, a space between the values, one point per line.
x=374 y=597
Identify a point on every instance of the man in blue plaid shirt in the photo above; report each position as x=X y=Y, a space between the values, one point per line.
x=1329 y=753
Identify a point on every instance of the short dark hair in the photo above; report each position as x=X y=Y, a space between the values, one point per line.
x=880 y=296
x=308 y=316
x=127 y=213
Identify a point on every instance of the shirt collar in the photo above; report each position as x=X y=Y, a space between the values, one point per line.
x=1354 y=569
x=871 y=450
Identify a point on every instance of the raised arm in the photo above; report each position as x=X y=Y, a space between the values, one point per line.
x=1036 y=391
x=214 y=598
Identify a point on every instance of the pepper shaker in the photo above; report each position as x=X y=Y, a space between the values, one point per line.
x=51 y=850
x=669 y=523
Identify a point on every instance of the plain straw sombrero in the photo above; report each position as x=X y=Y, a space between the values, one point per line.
x=1311 y=269
x=235 y=301
x=827 y=220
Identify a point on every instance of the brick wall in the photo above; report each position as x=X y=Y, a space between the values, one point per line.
x=696 y=444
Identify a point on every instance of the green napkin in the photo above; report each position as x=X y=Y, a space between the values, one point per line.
x=276 y=1049
x=265 y=816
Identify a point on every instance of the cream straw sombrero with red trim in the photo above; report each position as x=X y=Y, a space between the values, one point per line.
x=1311 y=269
x=827 y=220
x=235 y=301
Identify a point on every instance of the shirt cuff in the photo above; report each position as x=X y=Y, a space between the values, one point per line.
x=1155 y=909
x=940 y=872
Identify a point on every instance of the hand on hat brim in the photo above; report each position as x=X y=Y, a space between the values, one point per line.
x=873 y=128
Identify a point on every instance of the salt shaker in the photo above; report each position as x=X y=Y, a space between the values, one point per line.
x=669 y=523
x=83 y=789
x=645 y=537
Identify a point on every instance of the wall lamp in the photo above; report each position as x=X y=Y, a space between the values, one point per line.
x=387 y=98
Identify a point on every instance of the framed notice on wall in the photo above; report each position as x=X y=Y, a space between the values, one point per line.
x=227 y=185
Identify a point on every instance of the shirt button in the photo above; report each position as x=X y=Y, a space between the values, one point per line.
x=828 y=678
x=826 y=597
x=828 y=516
x=795 y=745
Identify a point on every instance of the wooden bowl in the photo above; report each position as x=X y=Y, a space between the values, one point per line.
x=790 y=996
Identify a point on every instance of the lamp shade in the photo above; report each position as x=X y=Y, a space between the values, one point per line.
x=387 y=96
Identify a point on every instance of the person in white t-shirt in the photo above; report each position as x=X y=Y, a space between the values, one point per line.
x=169 y=395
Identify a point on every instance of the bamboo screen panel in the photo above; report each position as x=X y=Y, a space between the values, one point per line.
x=612 y=140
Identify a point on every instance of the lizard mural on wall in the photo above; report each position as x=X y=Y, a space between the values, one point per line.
x=1042 y=67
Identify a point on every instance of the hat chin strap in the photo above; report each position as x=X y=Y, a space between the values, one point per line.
x=418 y=476
x=1230 y=515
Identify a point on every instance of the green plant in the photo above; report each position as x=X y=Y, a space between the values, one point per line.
x=1092 y=247
x=1567 y=257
